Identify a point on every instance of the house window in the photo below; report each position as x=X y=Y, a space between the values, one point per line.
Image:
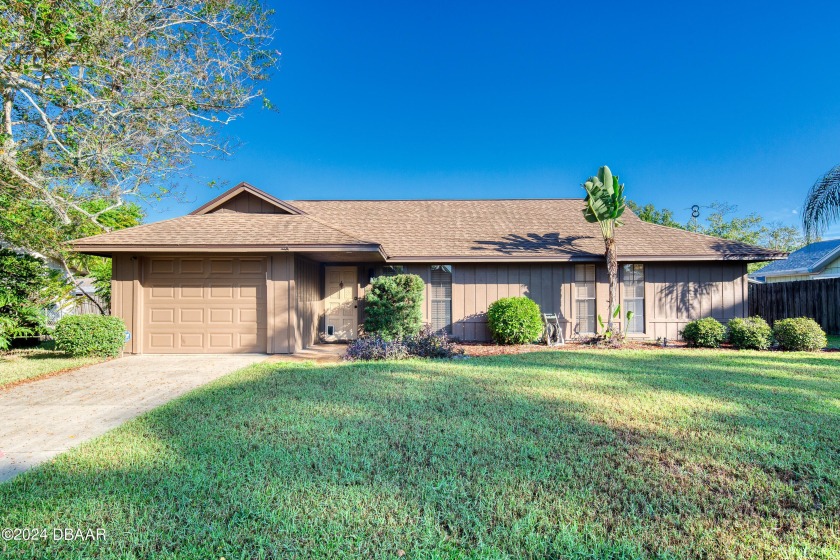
x=633 y=279
x=441 y=297
x=585 y=298
x=390 y=270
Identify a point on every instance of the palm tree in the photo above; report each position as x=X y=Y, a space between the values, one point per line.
x=605 y=203
x=822 y=205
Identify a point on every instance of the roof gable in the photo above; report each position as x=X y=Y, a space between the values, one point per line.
x=246 y=199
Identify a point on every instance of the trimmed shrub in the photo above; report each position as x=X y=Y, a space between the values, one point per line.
x=375 y=348
x=393 y=306
x=704 y=333
x=514 y=320
x=425 y=344
x=90 y=335
x=752 y=333
x=801 y=333
x=431 y=344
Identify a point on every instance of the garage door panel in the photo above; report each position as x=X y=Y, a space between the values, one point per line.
x=205 y=305
x=221 y=266
x=247 y=316
x=190 y=291
x=163 y=291
x=221 y=316
x=192 y=266
x=161 y=341
x=158 y=265
x=221 y=291
x=191 y=341
x=162 y=316
x=192 y=315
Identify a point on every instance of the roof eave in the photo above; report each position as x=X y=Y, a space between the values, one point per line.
x=229 y=248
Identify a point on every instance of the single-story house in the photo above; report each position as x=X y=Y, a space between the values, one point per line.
x=815 y=261
x=248 y=272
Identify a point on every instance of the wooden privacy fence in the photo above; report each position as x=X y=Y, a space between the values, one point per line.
x=817 y=299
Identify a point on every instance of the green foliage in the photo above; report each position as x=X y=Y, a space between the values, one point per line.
x=101 y=272
x=752 y=333
x=27 y=286
x=514 y=320
x=704 y=333
x=393 y=306
x=801 y=333
x=99 y=95
x=90 y=335
x=27 y=279
x=29 y=223
x=822 y=204
x=649 y=213
x=605 y=200
x=605 y=204
x=724 y=222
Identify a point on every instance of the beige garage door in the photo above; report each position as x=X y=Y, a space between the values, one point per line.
x=204 y=305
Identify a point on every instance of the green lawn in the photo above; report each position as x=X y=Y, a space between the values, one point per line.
x=834 y=341
x=19 y=365
x=568 y=454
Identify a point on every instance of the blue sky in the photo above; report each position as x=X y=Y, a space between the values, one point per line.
x=689 y=104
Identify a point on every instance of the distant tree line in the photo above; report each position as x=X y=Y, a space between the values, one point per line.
x=724 y=222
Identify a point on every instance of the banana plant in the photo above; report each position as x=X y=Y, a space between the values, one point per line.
x=604 y=204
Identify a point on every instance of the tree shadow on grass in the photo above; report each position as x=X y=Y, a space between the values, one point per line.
x=438 y=459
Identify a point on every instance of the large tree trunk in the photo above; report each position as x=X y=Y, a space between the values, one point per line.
x=612 y=272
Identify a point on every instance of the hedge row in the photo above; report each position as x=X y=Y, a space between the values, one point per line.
x=802 y=334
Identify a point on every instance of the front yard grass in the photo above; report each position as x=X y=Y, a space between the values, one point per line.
x=568 y=454
x=30 y=364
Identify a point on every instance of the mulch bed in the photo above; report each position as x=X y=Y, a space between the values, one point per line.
x=490 y=349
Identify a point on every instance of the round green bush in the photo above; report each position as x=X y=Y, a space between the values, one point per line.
x=801 y=333
x=514 y=320
x=752 y=333
x=705 y=333
x=90 y=335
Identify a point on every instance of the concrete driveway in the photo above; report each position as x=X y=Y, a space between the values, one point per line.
x=41 y=419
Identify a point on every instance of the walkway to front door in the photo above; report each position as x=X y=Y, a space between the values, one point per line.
x=41 y=419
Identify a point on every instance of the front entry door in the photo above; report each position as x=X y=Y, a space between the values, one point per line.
x=341 y=313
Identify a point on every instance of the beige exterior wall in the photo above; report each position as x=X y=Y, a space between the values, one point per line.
x=476 y=286
x=678 y=293
x=127 y=297
x=310 y=308
x=674 y=294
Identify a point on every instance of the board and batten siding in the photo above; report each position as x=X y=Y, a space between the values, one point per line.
x=309 y=302
x=476 y=286
x=675 y=293
x=678 y=293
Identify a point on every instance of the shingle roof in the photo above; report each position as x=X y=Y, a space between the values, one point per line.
x=226 y=229
x=803 y=260
x=548 y=229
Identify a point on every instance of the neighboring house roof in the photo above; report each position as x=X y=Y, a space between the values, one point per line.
x=810 y=259
x=419 y=230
